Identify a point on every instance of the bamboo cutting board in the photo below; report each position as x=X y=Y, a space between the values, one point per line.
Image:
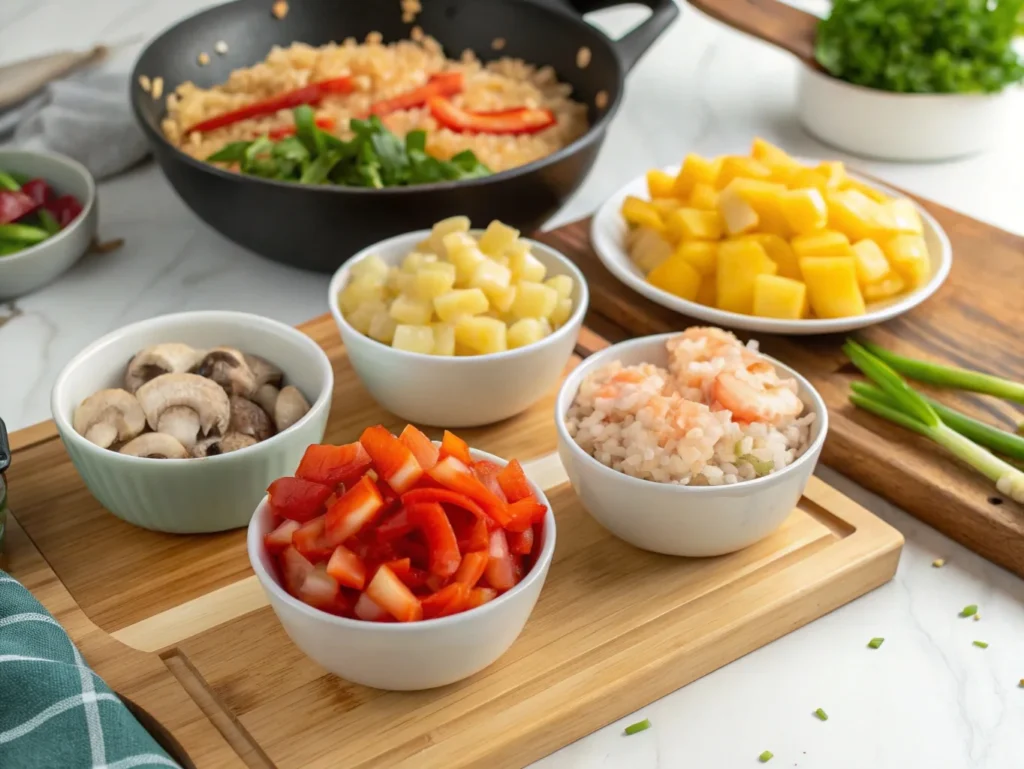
x=973 y=321
x=179 y=624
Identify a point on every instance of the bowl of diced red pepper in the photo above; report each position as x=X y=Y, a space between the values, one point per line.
x=403 y=563
x=47 y=218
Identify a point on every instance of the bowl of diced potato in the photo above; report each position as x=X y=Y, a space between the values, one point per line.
x=459 y=327
x=772 y=243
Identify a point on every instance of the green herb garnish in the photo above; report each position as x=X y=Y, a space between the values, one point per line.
x=923 y=46
x=639 y=726
x=821 y=714
x=969 y=611
x=981 y=644
x=874 y=643
x=765 y=757
x=8 y=182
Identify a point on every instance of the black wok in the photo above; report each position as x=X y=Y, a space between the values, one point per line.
x=319 y=227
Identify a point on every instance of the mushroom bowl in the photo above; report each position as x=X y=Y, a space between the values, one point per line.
x=179 y=423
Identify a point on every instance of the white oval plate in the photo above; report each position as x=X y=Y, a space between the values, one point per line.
x=608 y=234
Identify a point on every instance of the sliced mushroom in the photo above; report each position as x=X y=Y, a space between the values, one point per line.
x=211 y=447
x=182 y=422
x=266 y=397
x=290 y=407
x=109 y=416
x=155 y=446
x=169 y=358
x=227 y=367
x=263 y=371
x=200 y=395
x=249 y=419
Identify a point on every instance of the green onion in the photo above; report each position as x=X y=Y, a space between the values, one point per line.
x=969 y=611
x=48 y=221
x=765 y=757
x=639 y=726
x=991 y=437
x=874 y=643
x=821 y=714
x=8 y=182
x=981 y=644
x=23 y=233
x=949 y=376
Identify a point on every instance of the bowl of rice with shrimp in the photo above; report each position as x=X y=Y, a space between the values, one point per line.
x=689 y=443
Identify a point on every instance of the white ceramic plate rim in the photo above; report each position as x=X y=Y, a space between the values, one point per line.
x=254 y=543
x=341 y=277
x=607 y=232
x=571 y=386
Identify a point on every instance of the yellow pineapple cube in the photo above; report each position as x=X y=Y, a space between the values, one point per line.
x=561 y=313
x=780 y=252
x=702 y=255
x=855 y=214
x=737 y=214
x=804 y=210
x=707 y=294
x=822 y=243
x=414 y=339
x=497 y=238
x=464 y=254
x=371 y=267
x=481 y=335
x=677 y=276
x=525 y=331
x=415 y=260
x=889 y=286
x=524 y=265
x=872 y=265
x=834 y=173
x=736 y=167
x=361 y=316
x=660 y=184
x=411 y=311
x=382 y=326
x=534 y=300
x=693 y=224
x=808 y=178
x=832 y=286
x=646 y=247
x=641 y=213
x=908 y=256
x=444 y=339
x=433 y=280
x=695 y=170
x=904 y=216
x=704 y=197
x=435 y=242
x=766 y=152
x=502 y=300
x=866 y=189
x=464 y=301
x=665 y=206
x=562 y=284
x=778 y=297
x=739 y=263
x=360 y=291
x=490 y=277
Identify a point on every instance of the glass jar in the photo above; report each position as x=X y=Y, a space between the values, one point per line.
x=5 y=461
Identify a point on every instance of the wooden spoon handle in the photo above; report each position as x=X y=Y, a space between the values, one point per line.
x=774 y=22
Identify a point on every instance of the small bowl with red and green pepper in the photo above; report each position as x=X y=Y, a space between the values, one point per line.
x=47 y=218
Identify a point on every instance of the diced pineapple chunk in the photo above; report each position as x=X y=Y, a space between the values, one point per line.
x=562 y=284
x=414 y=339
x=832 y=286
x=780 y=252
x=695 y=170
x=739 y=264
x=707 y=294
x=778 y=297
x=463 y=253
x=737 y=167
x=822 y=243
x=872 y=265
x=641 y=213
x=360 y=291
x=481 y=335
x=646 y=248
x=360 y=317
x=834 y=173
x=872 y=192
x=525 y=331
x=704 y=197
x=371 y=267
x=534 y=300
x=382 y=327
x=908 y=255
x=443 y=228
x=491 y=277
x=433 y=280
x=737 y=214
x=444 y=339
x=702 y=256
x=415 y=260
x=889 y=286
x=766 y=152
x=502 y=300
x=660 y=184
x=665 y=206
x=561 y=313
x=677 y=276
x=904 y=216
x=465 y=301
x=411 y=311
x=808 y=178
x=694 y=224
x=804 y=210
x=524 y=265
x=855 y=214
x=497 y=237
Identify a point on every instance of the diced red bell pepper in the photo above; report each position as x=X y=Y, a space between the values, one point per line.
x=399 y=566
x=39 y=190
x=487 y=473
x=295 y=567
x=454 y=475
x=472 y=568
x=478 y=596
x=14 y=205
x=448 y=600
x=309 y=94
x=392 y=459
x=65 y=209
x=524 y=513
x=281 y=537
x=366 y=609
x=398 y=525
x=356 y=508
x=520 y=120
x=453 y=446
x=319 y=589
x=298 y=499
x=521 y=542
x=390 y=593
x=442 y=546
x=514 y=482
x=475 y=536
x=326 y=123
x=444 y=496
x=440 y=84
x=420 y=445
x=347 y=568
x=331 y=465
x=415 y=578
x=500 y=571
x=309 y=540
x=434 y=582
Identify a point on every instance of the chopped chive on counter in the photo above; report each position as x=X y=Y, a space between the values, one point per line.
x=981 y=644
x=821 y=714
x=639 y=726
x=969 y=611
x=765 y=757
x=874 y=643
x=938 y=563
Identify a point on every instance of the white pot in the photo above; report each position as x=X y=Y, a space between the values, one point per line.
x=899 y=126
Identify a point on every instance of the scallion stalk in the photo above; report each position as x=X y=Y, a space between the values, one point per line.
x=949 y=376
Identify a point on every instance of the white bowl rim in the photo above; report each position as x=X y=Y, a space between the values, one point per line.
x=609 y=210
x=87 y=205
x=576 y=376
x=68 y=431
x=340 y=277
x=899 y=95
x=541 y=564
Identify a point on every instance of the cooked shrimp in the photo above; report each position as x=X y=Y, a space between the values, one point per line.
x=756 y=398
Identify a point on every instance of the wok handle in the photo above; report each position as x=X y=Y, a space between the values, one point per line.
x=774 y=22
x=634 y=44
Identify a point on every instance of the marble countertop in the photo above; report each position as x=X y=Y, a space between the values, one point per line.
x=927 y=698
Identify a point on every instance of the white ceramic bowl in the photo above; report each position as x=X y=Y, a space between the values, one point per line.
x=900 y=126
x=683 y=520
x=459 y=391
x=608 y=235
x=404 y=656
x=193 y=495
x=34 y=267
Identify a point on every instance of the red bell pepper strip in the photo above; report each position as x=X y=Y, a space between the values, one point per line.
x=478 y=596
x=524 y=513
x=309 y=94
x=447 y=600
x=441 y=84
x=398 y=525
x=14 y=205
x=445 y=497
x=39 y=190
x=331 y=465
x=420 y=445
x=472 y=568
x=356 y=508
x=325 y=123
x=280 y=538
x=309 y=540
x=298 y=499
x=347 y=568
x=521 y=120
x=514 y=483
x=454 y=475
x=476 y=536
x=500 y=571
x=395 y=464
x=390 y=593
x=487 y=473
x=521 y=542
x=442 y=547
x=65 y=209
